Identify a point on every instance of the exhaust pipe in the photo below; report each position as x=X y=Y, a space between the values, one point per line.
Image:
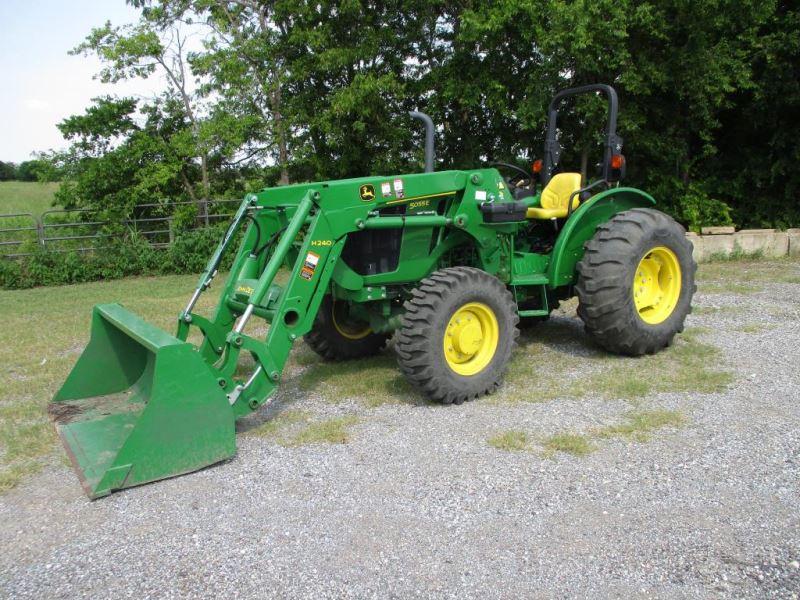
x=429 y=155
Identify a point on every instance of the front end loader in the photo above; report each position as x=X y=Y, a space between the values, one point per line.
x=448 y=262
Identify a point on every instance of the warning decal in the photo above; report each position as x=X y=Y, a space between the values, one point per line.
x=309 y=266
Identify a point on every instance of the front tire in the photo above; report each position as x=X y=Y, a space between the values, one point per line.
x=457 y=334
x=636 y=282
x=335 y=336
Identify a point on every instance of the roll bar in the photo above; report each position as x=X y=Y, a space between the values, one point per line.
x=552 y=149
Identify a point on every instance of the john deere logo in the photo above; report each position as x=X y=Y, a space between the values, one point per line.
x=367 y=192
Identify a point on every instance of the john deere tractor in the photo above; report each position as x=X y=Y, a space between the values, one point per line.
x=448 y=262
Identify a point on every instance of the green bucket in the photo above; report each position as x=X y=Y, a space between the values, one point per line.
x=140 y=405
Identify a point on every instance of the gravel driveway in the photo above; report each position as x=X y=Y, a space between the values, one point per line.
x=418 y=504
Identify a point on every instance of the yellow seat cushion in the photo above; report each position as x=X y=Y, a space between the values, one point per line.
x=554 y=202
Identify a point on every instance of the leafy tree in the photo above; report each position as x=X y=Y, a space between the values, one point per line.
x=30 y=170
x=7 y=171
x=285 y=91
x=142 y=49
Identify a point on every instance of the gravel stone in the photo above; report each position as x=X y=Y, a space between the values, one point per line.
x=417 y=504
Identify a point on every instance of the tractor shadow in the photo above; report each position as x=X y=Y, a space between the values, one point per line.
x=552 y=359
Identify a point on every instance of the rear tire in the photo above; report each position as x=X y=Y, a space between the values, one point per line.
x=636 y=282
x=336 y=337
x=457 y=334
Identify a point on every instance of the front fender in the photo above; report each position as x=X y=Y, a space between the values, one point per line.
x=581 y=226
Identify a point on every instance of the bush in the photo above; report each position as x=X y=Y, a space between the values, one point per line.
x=121 y=257
x=698 y=210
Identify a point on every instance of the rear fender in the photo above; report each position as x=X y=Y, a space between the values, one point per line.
x=581 y=227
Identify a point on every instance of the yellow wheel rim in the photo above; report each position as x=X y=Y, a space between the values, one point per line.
x=471 y=338
x=347 y=328
x=657 y=285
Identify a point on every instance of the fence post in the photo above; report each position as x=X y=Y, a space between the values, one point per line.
x=40 y=230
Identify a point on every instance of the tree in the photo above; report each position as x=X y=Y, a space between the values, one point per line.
x=8 y=171
x=30 y=170
x=293 y=91
x=677 y=66
x=141 y=49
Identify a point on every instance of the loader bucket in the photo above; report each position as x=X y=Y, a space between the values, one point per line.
x=140 y=405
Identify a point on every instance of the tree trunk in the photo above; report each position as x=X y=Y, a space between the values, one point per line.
x=584 y=165
x=206 y=188
x=280 y=131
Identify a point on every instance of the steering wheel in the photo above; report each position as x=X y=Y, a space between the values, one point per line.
x=522 y=174
x=522 y=180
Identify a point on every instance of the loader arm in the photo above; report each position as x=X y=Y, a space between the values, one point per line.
x=310 y=224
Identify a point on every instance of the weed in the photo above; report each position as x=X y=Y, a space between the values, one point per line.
x=332 y=431
x=543 y=370
x=571 y=443
x=737 y=255
x=511 y=441
x=276 y=427
x=639 y=425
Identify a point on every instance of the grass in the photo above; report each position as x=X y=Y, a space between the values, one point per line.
x=374 y=381
x=276 y=428
x=45 y=329
x=26 y=197
x=639 y=425
x=738 y=255
x=557 y=361
x=331 y=431
x=710 y=310
x=748 y=273
x=43 y=333
x=571 y=443
x=297 y=428
x=554 y=360
x=729 y=287
x=754 y=327
x=511 y=441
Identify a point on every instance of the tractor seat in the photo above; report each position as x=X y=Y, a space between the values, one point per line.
x=554 y=202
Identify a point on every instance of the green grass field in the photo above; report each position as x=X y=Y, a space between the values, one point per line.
x=26 y=197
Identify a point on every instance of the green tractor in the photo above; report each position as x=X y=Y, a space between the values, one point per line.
x=448 y=262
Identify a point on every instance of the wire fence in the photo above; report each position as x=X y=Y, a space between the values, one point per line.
x=78 y=230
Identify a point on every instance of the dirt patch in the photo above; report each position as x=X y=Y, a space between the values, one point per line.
x=62 y=412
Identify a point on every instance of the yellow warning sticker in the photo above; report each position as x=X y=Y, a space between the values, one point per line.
x=309 y=266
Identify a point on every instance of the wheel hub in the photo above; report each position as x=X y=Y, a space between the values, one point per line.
x=471 y=338
x=345 y=325
x=467 y=339
x=657 y=285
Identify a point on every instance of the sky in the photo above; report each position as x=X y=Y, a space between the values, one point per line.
x=41 y=84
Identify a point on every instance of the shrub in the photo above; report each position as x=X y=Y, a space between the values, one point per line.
x=698 y=209
x=119 y=257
